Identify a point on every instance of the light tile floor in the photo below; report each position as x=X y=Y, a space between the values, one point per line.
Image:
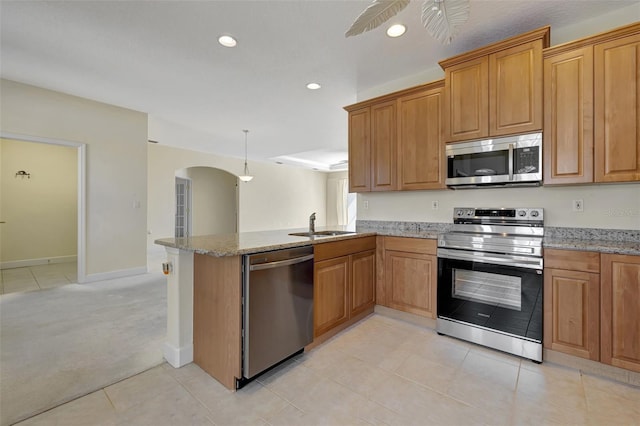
x=37 y=277
x=380 y=371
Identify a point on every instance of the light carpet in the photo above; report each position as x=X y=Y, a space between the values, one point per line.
x=62 y=343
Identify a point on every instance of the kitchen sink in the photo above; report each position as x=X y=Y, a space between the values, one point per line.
x=321 y=233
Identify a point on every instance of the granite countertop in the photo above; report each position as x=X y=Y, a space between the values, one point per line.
x=585 y=239
x=253 y=242
x=602 y=246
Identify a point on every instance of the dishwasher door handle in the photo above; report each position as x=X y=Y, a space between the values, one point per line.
x=280 y=263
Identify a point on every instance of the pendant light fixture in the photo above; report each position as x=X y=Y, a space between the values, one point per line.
x=245 y=176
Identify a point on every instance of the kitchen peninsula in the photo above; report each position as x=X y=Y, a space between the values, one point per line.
x=214 y=264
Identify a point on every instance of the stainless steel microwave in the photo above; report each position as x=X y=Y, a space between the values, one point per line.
x=506 y=161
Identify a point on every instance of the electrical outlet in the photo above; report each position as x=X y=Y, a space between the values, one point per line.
x=366 y=204
x=435 y=205
x=578 y=206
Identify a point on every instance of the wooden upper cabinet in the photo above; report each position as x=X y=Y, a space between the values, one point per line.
x=617 y=109
x=619 y=318
x=359 y=150
x=421 y=159
x=495 y=90
x=467 y=100
x=372 y=148
x=515 y=89
x=383 y=146
x=568 y=117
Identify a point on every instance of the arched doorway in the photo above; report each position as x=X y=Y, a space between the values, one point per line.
x=206 y=201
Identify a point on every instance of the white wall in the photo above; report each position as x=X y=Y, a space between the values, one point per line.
x=614 y=206
x=605 y=206
x=116 y=168
x=213 y=201
x=40 y=211
x=279 y=196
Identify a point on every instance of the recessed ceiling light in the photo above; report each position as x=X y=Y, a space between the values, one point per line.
x=227 y=41
x=313 y=86
x=396 y=30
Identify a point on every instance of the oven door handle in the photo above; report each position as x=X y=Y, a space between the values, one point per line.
x=492 y=258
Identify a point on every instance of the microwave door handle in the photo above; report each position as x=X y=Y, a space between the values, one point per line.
x=510 y=161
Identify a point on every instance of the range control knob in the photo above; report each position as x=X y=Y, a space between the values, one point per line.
x=469 y=212
x=522 y=213
x=459 y=212
x=535 y=213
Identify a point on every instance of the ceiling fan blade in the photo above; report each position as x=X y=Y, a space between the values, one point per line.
x=444 y=18
x=375 y=15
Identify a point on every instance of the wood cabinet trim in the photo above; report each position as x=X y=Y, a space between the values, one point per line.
x=394 y=95
x=593 y=39
x=542 y=33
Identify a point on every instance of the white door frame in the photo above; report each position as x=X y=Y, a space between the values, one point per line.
x=82 y=204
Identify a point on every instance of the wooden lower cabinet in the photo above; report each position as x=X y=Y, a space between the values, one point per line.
x=620 y=311
x=330 y=294
x=572 y=302
x=410 y=275
x=363 y=279
x=344 y=282
x=572 y=312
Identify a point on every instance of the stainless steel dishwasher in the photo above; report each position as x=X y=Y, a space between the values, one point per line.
x=277 y=308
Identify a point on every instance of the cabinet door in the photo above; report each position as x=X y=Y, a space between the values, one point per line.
x=411 y=282
x=572 y=312
x=617 y=110
x=363 y=280
x=331 y=294
x=421 y=160
x=568 y=119
x=359 y=151
x=383 y=146
x=620 y=311
x=515 y=89
x=467 y=100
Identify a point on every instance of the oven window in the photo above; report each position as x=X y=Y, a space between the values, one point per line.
x=484 y=287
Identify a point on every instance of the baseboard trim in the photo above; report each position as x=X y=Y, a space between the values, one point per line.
x=102 y=276
x=35 y=262
x=177 y=357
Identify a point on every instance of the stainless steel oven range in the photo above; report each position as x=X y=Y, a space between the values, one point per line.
x=490 y=279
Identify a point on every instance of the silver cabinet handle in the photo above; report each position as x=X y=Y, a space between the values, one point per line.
x=288 y=262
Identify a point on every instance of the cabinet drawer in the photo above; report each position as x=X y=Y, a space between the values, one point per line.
x=572 y=260
x=412 y=245
x=334 y=249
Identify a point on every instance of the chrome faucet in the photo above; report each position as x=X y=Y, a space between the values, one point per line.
x=312 y=223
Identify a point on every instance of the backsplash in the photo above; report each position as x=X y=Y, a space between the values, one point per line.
x=551 y=232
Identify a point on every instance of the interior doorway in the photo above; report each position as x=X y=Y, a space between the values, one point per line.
x=38 y=261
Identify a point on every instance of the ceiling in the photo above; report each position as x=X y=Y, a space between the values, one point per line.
x=162 y=58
